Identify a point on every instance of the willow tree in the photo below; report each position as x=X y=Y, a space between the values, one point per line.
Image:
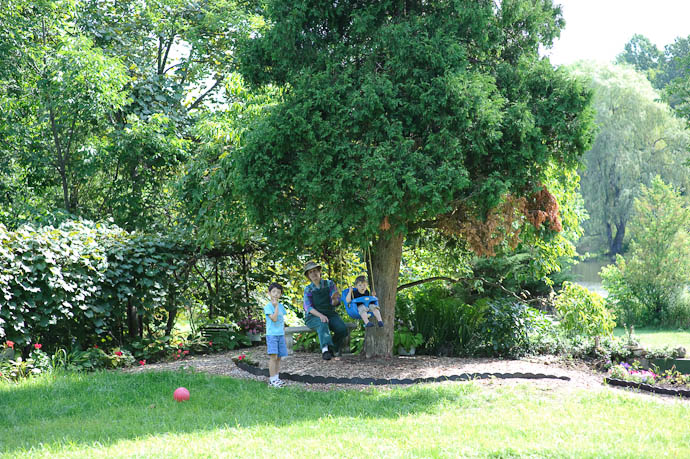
x=401 y=115
x=638 y=138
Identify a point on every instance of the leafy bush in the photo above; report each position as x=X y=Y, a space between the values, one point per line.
x=449 y=326
x=583 y=313
x=81 y=282
x=649 y=284
x=357 y=340
x=621 y=300
x=609 y=349
x=507 y=328
x=545 y=337
x=307 y=341
x=403 y=337
x=496 y=327
x=16 y=368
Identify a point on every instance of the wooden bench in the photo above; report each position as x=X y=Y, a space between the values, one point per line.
x=213 y=331
x=289 y=339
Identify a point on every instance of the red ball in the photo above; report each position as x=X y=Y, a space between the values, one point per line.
x=181 y=394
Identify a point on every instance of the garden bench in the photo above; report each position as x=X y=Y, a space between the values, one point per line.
x=289 y=331
x=212 y=331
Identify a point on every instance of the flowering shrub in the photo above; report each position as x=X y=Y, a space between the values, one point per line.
x=244 y=359
x=16 y=368
x=251 y=325
x=628 y=372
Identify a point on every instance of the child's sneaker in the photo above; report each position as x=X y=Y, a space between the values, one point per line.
x=380 y=323
x=277 y=383
x=369 y=324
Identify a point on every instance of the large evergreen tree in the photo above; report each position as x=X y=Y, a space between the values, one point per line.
x=398 y=115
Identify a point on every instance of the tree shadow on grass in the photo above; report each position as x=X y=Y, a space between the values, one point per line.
x=108 y=407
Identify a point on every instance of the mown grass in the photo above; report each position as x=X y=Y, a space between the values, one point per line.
x=654 y=337
x=133 y=415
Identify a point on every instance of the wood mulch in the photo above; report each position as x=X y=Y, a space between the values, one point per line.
x=398 y=367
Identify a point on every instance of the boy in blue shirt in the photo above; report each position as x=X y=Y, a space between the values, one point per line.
x=275 y=333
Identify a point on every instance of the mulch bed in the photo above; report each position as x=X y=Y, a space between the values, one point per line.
x=555 y=373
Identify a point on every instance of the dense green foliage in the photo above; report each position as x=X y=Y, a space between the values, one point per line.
x=450 y=325
x=425 y=106
x=82 y=282
x=648 y=285
x=638 y=138
x=583 y=313
x=397 y=113
x=668 y=71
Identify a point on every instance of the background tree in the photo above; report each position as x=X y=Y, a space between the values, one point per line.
x=55 y=100
x=647 y=285
x=637 y=139
x=642 y=54
x=668 y=71
x=400 y=115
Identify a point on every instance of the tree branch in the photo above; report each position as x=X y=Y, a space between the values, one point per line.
x=424 y=281
x=201 y=97
x=165 y=57
x=158 y=57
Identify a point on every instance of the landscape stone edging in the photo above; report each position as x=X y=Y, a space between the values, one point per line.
x=381 y=382
x=647 y=387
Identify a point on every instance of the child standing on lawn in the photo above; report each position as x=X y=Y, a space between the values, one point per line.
x=361 y=288
x=275 y=333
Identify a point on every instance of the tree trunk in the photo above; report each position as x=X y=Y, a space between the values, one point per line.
x=609 y=237
x=132 y=324
x=172 y=311
x=385 y=259
x=617 y=244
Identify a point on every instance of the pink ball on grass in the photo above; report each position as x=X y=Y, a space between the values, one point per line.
x=181 y=394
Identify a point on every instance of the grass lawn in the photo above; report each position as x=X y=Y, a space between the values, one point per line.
x=653 y=337
x=117 y=414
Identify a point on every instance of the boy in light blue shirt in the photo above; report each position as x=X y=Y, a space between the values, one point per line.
x=275 y=333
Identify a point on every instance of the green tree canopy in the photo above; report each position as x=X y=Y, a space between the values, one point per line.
x=638 y=138
x=399 y=115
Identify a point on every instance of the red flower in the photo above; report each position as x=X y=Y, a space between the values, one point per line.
x=179 y=345
x=241 y=357
x=37 y=346
x=186 y=352
x=142 y=362
x=210 y=343
x=95 y=346
x=118 y=353
x=9 y=344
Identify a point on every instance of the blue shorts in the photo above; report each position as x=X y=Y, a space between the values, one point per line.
x=276 y=345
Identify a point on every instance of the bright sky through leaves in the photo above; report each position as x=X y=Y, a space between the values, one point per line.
x=598 y=29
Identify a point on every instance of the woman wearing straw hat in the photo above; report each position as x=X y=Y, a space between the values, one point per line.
x=320 y=299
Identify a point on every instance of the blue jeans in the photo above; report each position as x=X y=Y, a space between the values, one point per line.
x=323 y=329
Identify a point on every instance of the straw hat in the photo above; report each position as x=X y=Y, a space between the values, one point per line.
x=309 y=266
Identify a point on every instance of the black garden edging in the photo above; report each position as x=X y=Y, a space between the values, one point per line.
x=381 y=382
x=647 y=387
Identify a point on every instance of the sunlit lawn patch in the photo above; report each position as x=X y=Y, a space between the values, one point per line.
x=652 y=337
x=116 y=414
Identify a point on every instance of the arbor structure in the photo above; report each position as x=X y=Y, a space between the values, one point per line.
x=638 y=138
x=401 y=115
